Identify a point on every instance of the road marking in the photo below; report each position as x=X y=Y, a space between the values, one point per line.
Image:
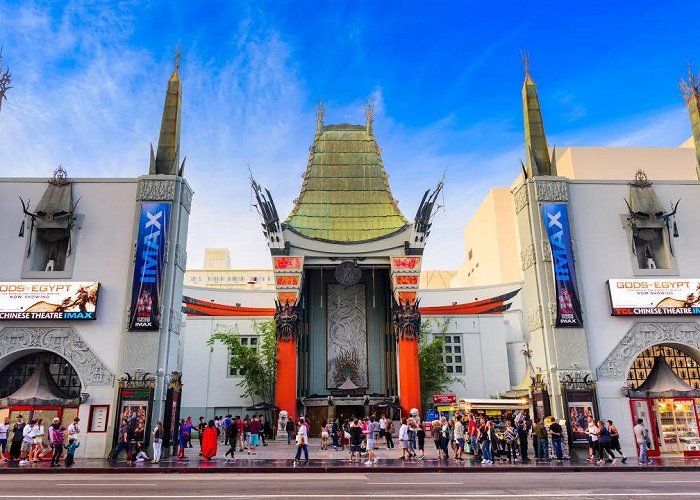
x=677 y=481
x=107 y=484
x=406 y=483
x=567 y=495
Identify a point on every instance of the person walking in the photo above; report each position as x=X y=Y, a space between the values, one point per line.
x=473 y=435
x=27 y=441
x=412 y=435
x=157 y=441
x=592 y=431
x=4 y=432
x=540 y=432
x=57 y=437
x=389 y=433
x=510 y=437
x=232 y=439
x=615 y=441
x=403 y=439
x=369 y=437
x=200 y=432
x=290 y=430
x=557 y=434
x=437 y=437
x=641 y=435
x=17 y=436
x=325 y=435
x=604 y=445
x=225 y=425
x=123 y=442
x=522 y=439
x=183 y=437
x=444 y=438
x=459 y=438
x=254 y=440
x=302 y=442
x=485 y=441
x=420 y=438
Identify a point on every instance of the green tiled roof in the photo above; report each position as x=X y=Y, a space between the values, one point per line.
x=345 y=195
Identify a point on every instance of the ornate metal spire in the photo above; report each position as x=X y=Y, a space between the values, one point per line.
x=168 y=152
x=536 y=151
x=369 y=115
x=691 y=93
x=320 y=115
x=5 y=79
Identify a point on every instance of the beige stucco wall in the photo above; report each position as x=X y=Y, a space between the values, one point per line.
x=491 y=237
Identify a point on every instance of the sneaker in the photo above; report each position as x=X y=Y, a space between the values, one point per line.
x=614 y=461
x=624 y=460
x=24 y=462
x=368 y=462
x=650 y=462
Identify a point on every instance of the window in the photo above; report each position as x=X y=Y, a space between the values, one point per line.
x=684 y=366
x=452 y=354
x=251 y=342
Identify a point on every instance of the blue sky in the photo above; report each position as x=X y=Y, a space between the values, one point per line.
x=445 y=77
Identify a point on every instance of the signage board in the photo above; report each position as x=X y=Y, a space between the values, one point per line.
x=655 y=297
x=149 y=266
x=48 y=300
x=555 y=217
x=444 y=398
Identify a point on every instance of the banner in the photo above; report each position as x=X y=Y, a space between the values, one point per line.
x=149 y=266
x=556 y=221
x=48 y=300
x=655 y=297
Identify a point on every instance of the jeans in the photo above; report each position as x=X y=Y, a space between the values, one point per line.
x=121 y=446
x=643 y=448
x=444 y=442
x=57 y=452
x=3 y=445
x=289 y=437
x=306 y=452
x=336 y=440
x=474 y=445
x=543 y=448
x=390 y=441
x=156 y=450
x=70 y=459
x=557 y=445
x=510 y=450
x=486 y=450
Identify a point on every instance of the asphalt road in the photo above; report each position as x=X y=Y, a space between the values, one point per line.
x=589 y=485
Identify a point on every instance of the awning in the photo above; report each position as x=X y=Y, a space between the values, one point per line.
x=663 y=382
x=39 y=390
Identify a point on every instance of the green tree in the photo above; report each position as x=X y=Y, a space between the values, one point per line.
x=434 y=378
x=258 y=368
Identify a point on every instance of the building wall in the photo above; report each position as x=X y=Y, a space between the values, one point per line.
x=217 y=258
x=230 y=278
x=102 y=252
x=491 y=247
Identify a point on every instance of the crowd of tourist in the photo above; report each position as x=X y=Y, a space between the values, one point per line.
x=460 y=437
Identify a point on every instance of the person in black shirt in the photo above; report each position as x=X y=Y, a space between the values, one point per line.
x=200 y=427
x=355 y=440
x=17 y=436
x=557 y=435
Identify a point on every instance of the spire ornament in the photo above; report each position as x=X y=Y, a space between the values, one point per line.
x=320 y=115
x=369 y=115
x=691 y=94
x=5 y=79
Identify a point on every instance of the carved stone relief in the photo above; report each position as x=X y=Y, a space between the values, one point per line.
x=534 y=319
x=186 y=197
x=346 y=339
x=520 y=198
x=180 y=256
x=546 y=251
x=156 y=190
x=642 y=336
x=527 y=257
x=551 y=191
x=175 y=323
x=63 y=341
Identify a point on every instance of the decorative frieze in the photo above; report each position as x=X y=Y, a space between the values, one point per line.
x=63 y=341
x=156 y=189
x=552 y=313
x=186 y=197
x=551 y=190
x=546 y=251
x=180 y=257
x=642 y=336
x=527 y=257
x=175 y=321
x=534 y=319
x=520 y=198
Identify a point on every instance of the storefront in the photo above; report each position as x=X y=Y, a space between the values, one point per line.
x=667 y=403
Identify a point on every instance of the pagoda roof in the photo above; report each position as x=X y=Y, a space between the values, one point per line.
x=663 y=382
x=345 y=195
x=40 y=389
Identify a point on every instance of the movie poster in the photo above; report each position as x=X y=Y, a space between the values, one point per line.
x=556 y=222
x=136 y=412
x=149 y=266
x=48 y=300
x=578 y=416
x=655 y=297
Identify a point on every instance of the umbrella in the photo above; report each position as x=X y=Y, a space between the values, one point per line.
x=262 y=407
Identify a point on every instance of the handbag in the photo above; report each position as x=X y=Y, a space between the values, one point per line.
x=347 y=435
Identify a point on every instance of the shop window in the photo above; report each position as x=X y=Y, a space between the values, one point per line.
x=248 y=341
x=683 y=365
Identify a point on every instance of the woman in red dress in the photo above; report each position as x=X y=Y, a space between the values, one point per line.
x=209 y=441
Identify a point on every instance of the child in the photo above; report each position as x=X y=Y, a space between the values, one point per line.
x=70 y=453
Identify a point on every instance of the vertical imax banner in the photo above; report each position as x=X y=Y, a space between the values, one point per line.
x=556 y=221
x=149 y=266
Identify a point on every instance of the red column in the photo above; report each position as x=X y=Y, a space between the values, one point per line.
x=286 y=383
x=409 y=375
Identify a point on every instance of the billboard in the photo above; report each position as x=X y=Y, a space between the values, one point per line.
x=48 y=300
x=556 y=222
x=655 y=297
x=149 y=266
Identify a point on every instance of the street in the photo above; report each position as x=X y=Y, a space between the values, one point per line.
x=355 y=485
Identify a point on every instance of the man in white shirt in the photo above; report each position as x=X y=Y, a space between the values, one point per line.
x=592 y=431
x=74 y=430
x=641 y=435
x=27 y=440
x=4 y=430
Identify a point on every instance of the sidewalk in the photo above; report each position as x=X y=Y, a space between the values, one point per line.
x=277 y=457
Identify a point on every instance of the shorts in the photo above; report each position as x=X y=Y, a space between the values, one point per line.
x=403 y=444
x=356 y=448
x=324 y=435
x=254 y=440
x=370 y=444
x=460 y=443
x=26 y=446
